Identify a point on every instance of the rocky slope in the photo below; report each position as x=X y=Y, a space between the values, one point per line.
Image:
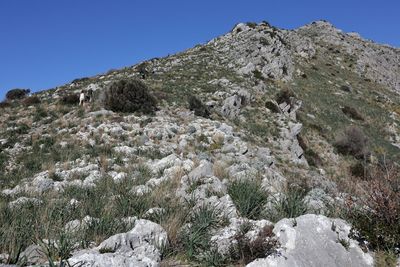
x=262 y=181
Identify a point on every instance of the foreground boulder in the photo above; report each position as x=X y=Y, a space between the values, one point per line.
x=139 y=247
x=315 y=240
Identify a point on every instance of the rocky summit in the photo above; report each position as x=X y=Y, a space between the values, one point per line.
x=262 y=147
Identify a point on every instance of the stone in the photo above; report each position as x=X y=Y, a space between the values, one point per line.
x=203 y=170
x=138 y=247
x=316 y=200
x=232 y=105
x=21 y=201
x=313 y=241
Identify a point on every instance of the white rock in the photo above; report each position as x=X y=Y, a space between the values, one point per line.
x=138 y=247
x=313 y=241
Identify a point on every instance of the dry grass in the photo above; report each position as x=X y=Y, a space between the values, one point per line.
x=103 y=163
x=220 y=170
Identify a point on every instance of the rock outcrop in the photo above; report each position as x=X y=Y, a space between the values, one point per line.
x=315 y=240
x=138 y=247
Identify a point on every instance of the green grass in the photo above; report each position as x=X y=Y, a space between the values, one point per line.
x=196 y=239
x=325 y=100
x=289 y=204
x=107 y=203
x=249 y=197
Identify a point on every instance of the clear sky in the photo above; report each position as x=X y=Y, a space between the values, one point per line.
x=45 y=43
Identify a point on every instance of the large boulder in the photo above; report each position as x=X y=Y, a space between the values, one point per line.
x=139 y=247
x=315 y=240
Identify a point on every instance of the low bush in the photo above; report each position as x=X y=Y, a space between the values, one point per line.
x=352 y=141
x=345 y=88
x=129 y=96
x=249 y=197
x=17 y=94
x=258 y=75
x=375 y=214
x=359 y=169
x=352 y=113
x=70 y=99
x=32 y=100
x=196 y=105
x=284 y=95
x=246 y=250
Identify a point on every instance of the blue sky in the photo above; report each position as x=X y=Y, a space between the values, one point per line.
x=45 y=43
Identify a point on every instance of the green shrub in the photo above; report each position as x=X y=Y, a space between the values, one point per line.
x=258 y=75
x=352 y=141
x=17 y=94
x=359 y=169
x=375 y=215
x=70 y=99
x=129 y=96
x=248 y=196
x=272 y=106
x=32 y=100
x=196 y=105
x=345 y=88
x=352 y=113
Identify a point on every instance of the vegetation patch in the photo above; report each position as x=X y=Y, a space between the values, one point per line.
x=129 y=96
x=32 y=100
x=17 y=94
x=352 y=141
x=375 y=215
x=289 y=204
x=246 y=250
x=249 y=197
x=196 y=105
x=352 y=113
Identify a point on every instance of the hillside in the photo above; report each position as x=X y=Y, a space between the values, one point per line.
x=269 y=147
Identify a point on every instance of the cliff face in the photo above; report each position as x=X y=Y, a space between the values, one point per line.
x=302 y=121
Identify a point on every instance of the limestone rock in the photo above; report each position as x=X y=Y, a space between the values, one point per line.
x=315 y=240
x=138 y=247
